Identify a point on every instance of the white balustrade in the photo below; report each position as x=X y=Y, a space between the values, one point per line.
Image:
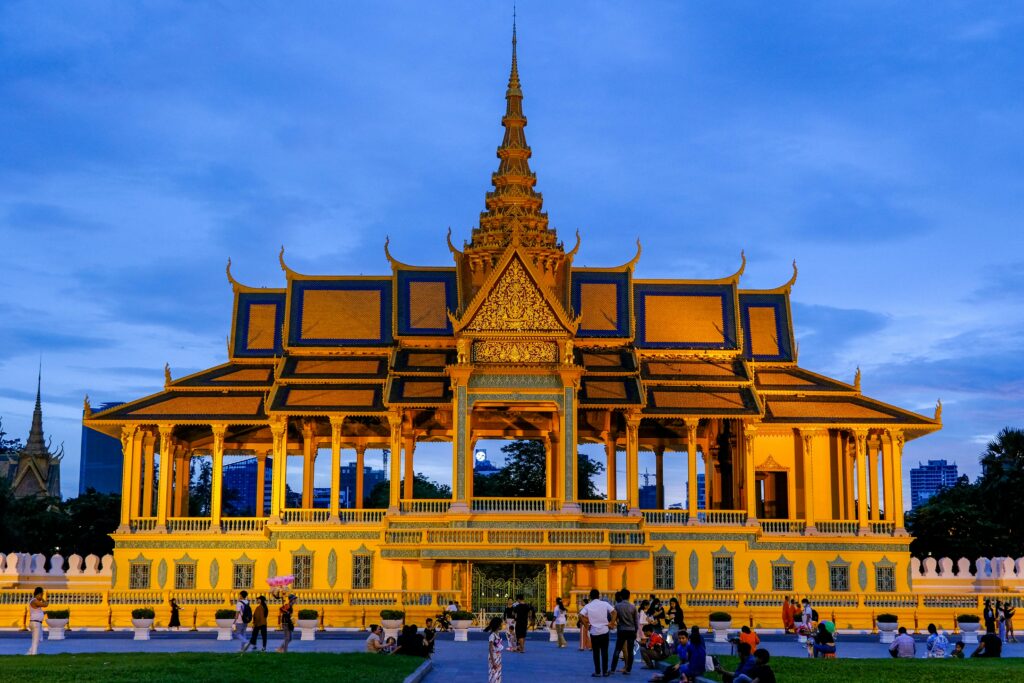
x=514 y=504
x=188 y=524
x=722 y=517
x=243 y=524
x=783 y=526
x=424 y=506
x=666 y=517
x=306 y=515
x=837 y=527
x=604 y=507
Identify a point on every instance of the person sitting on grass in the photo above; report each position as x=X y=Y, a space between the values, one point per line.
x=822 y=642
x=375 y=641
x=989 y=645
x=762 y=672
x=903 y=647
x=937 y=643
x=692 y=659
x=958 y=650
x=745 y=668
x=653 y=648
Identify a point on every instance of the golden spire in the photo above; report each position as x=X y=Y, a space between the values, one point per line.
x=514 y=207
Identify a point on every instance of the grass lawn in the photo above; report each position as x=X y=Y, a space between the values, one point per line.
x=223 y=668
x=802 y=670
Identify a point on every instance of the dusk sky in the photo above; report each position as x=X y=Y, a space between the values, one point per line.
x=879 y=144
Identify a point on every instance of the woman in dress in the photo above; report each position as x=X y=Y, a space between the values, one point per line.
x=287 y=626
x=675 y=618
x=175 y=621
x=559 y=621
x=494 y=648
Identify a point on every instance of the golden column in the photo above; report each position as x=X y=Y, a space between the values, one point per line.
x=166 y=474
x=308 y=462
x=410 y=476
x=609 y=450
x=749 y=478
x=336 y=423
x=691 y=472
x=860 y=439
x=395 y=422
x=632 y=461
x=659 y=476
x=129 y=440
x=261 y=483
x=217 y=485
x=873 y=478
x=896 y=441
x=149 y=458
x=279 y=431
x=551 y=490
x=360 y=465
x=807 y=437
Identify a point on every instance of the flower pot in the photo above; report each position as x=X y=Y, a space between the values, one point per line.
x=461 y=628
x=887 y=631
x=56 y=627
x=392 y=627
x=969 y=632
x=307 y=627
x=721 y=629
x=225 y=628
x=142 y=627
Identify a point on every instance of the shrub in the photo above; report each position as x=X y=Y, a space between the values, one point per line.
x=392 y=614
x=143 y=613
x=968 y=619
x=461 y=615
x=225 y=614
x=307 y=614
x=720 y=616
x=58 y=613
x=887 y=619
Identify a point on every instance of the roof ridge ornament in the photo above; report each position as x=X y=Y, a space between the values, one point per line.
x=938 y=411
x=856 y=380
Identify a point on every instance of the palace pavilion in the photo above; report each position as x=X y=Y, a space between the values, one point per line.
x=802 y=487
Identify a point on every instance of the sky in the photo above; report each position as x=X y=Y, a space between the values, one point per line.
x=878 y=144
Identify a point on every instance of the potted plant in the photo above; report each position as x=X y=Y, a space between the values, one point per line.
x=306 y=623
x=461 y=621
x=549 y=619
x=142 y=621
x=225 y=619
x=57 y=620
x=391 y=621
x=721 y=622
x=887 y=624
x=969 y=625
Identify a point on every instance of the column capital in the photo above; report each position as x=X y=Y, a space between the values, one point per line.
x=219 y=430
x=166 y=431
x=337 y=421
x=278 y=428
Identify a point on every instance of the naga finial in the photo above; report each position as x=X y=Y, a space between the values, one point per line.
x=576 y=248
x=86 y=407
x=451 y=247
x=167 y=374
x=231 y=279
x=856 y=379
x=938 y=410
x=743 y=263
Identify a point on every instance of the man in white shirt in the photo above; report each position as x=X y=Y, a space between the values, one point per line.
x=243 y=615
x=599 y=617
x=35 y=617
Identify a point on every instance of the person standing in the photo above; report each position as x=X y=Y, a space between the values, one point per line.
x=510 y=625
x=260 y=615
x=559 y=621
x=1001 y=619
x=494 y=648
x=787 y=616
x=524 y=614
x=676 y=622
x=175 y=621
x=287 y=625
x=990 y=617
x=584 y=633
x=598 y=617
x=35 y=618
x=625 y=631
x=429 y=633
x=243 y=615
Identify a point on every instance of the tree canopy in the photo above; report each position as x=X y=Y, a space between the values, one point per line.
x=40 y=524
x=524 y=474
x=978 y=519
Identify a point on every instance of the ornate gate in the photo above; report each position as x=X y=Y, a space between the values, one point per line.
x=495 y=584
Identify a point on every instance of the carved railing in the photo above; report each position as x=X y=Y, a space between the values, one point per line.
x=188 y=524
x=722 y=517
x=627 y=537
x=576 y=537
x=837 y=527
x=243 y=524
x=515 y=537
x=882 y=528
x=404 y=537
x=142 y=524
x=783 y=526
x=306 y=515
x=367 y=516
x=457 y=536
x=604 y=507
x=667 y=517
x=424 y=507
x=515 y=504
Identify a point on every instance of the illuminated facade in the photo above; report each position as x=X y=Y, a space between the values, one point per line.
x=802 y=473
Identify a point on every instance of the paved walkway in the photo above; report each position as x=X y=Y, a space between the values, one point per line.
x=453 y=662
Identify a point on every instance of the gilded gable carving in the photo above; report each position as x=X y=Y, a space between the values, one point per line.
x=515 y=304
x=515 y=352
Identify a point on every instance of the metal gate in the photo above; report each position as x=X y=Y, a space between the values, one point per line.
x=495 y=584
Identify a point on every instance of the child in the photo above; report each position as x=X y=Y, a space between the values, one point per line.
x=958 y=650
x=390 y=645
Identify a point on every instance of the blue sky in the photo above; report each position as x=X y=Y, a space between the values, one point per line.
x=879 y=144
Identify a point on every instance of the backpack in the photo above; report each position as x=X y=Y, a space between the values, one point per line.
x=814 y=615
x=246 y=613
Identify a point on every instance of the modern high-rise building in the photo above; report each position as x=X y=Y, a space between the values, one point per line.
x=100 y=465
x=927 y=480
x=700 y=493
x=240 y=487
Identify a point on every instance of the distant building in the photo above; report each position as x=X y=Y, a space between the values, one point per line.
x=37 y=472
x=239 y=485
x=700 y=493
x=102 y=461
x=927 y=480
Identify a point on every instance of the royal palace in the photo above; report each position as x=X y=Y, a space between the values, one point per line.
x=512 y=341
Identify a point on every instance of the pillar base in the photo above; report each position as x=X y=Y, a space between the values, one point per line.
x=215 y=528
x=811 y=530
x=900 y=532
x=571 y=507
x=459 y=508
x=864 y=531
x=160 y=529
x=274 y=519
x=394 y=510
x=334 y=519
x=123 y=529
x=691 y=519
x=752 y=521
x=634 y=512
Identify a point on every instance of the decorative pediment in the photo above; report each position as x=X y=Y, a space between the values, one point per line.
x=513 y=301
x=770 y=464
